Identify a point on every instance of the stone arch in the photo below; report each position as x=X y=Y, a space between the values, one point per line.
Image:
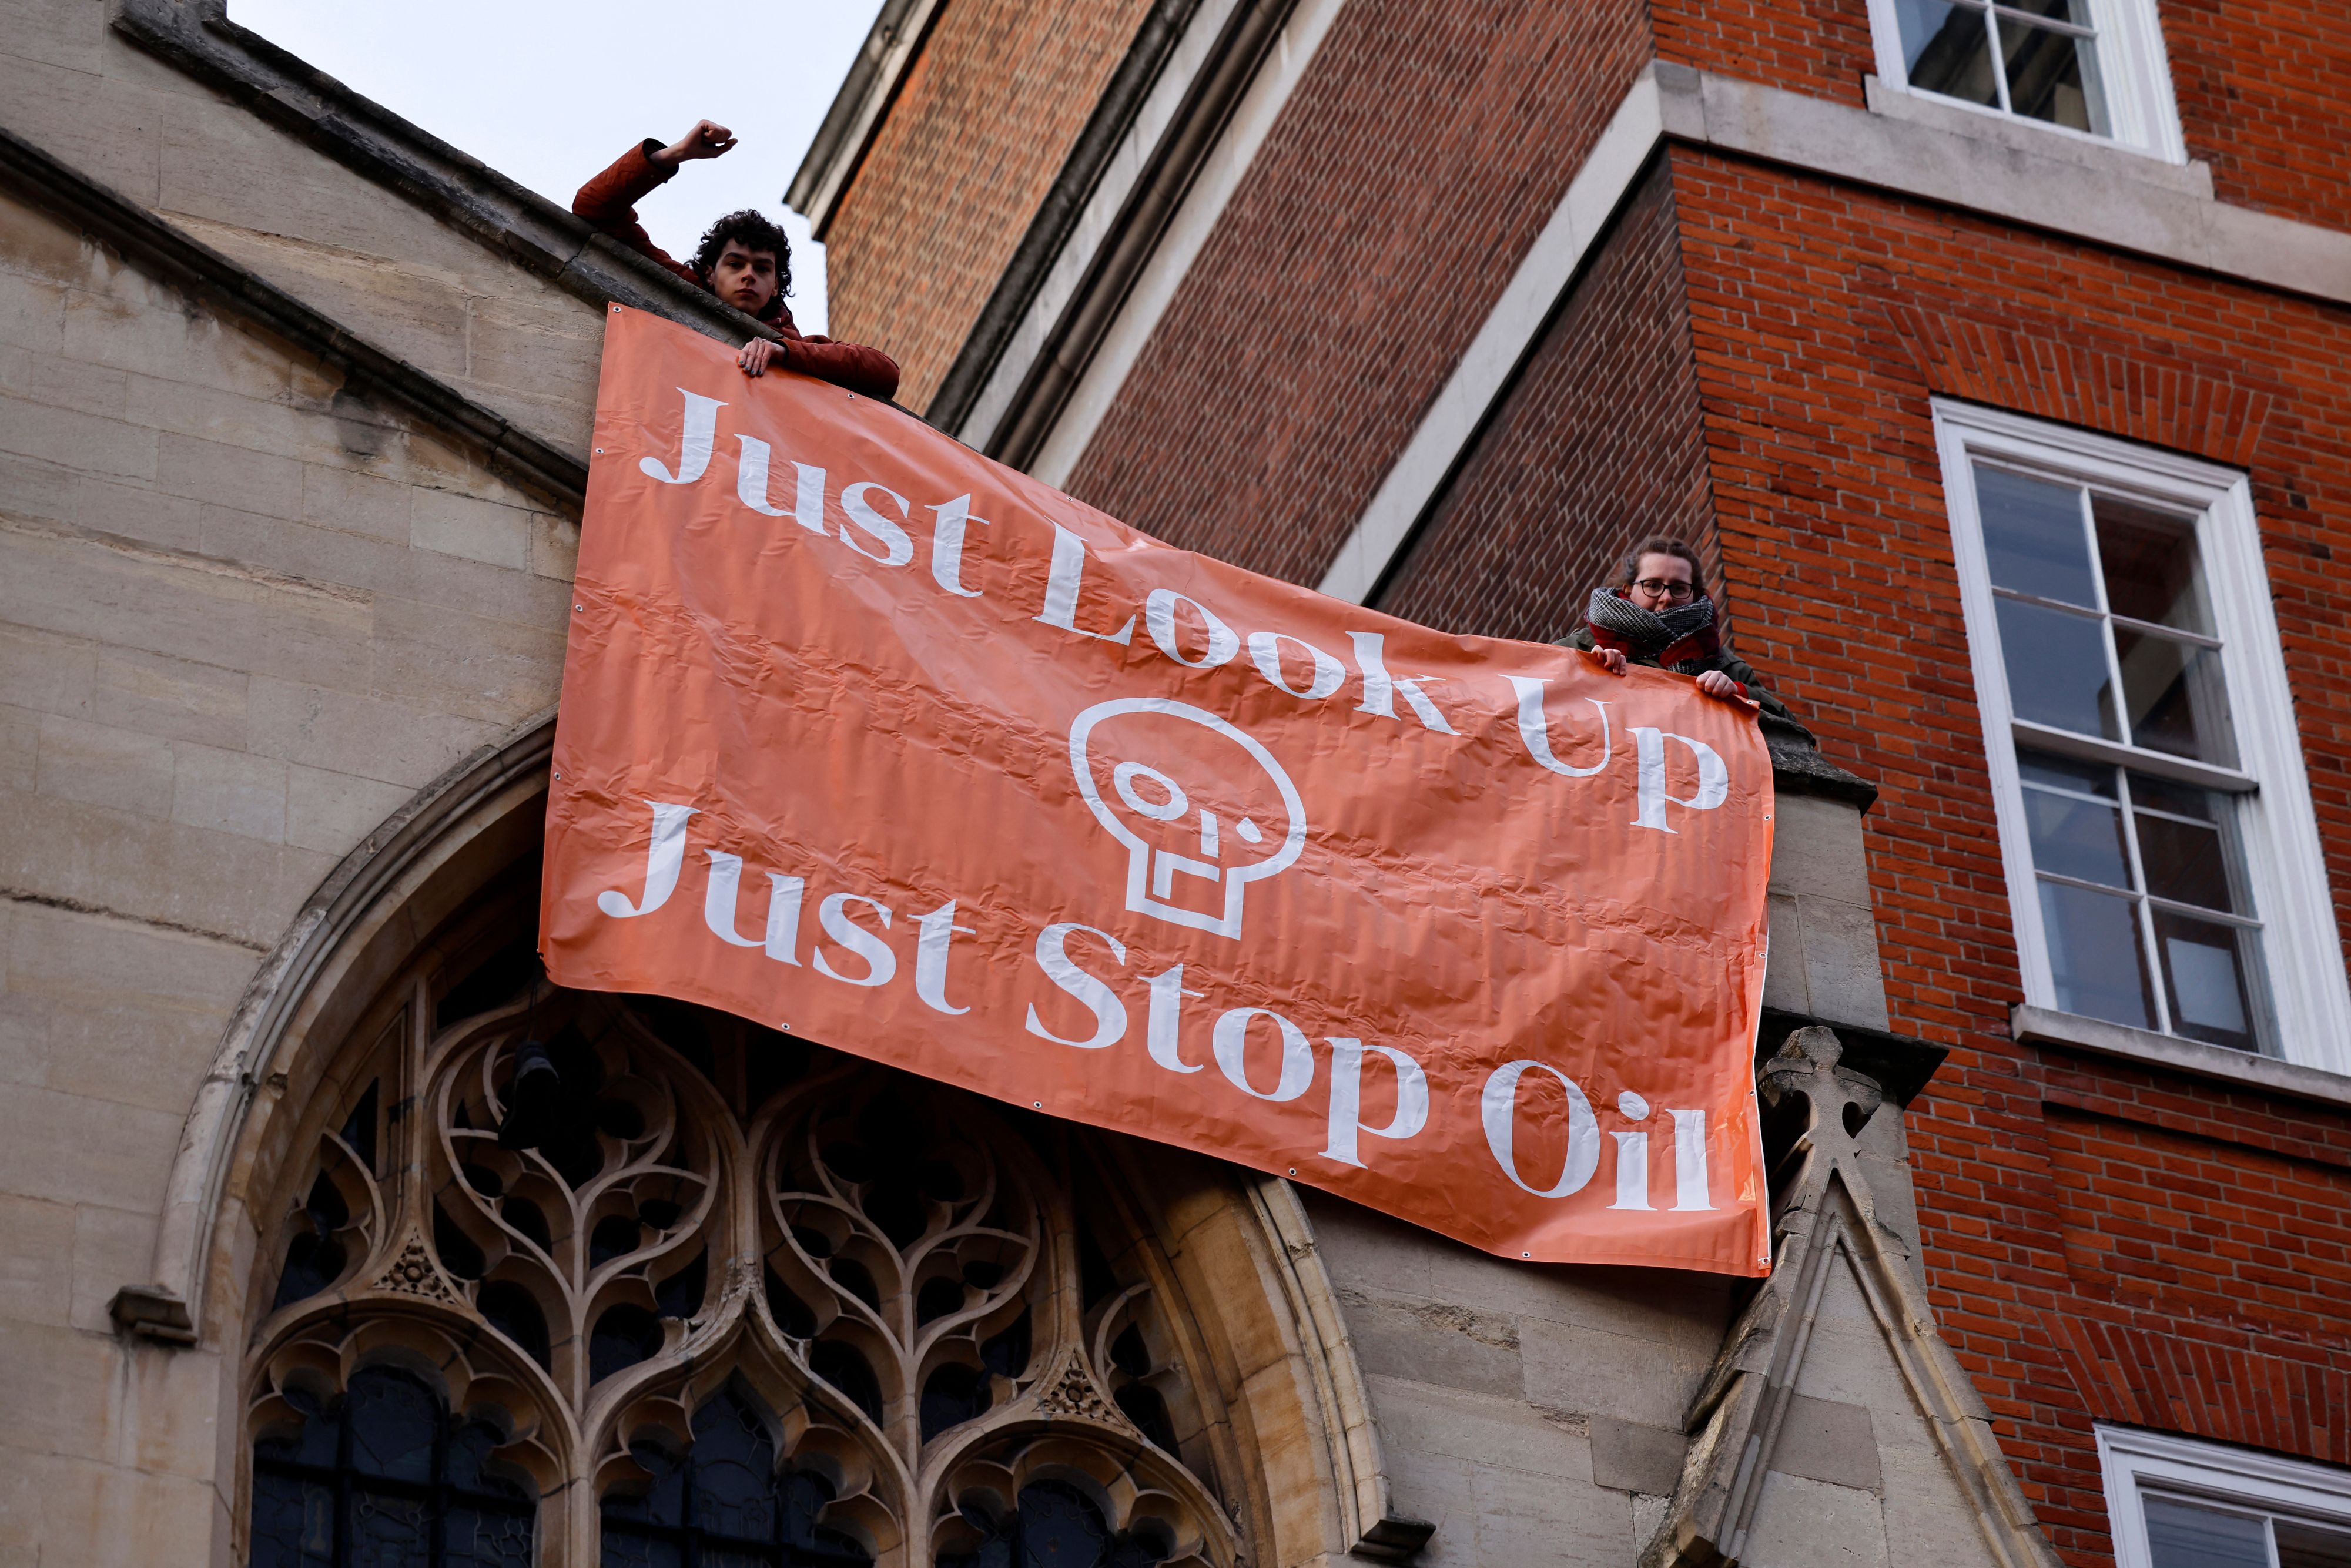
x=1217 y=1329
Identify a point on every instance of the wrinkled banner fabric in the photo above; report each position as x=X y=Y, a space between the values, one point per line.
x=868 y=738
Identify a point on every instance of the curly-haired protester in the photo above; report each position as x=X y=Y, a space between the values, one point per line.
x=743 y=259
x=1662 y=618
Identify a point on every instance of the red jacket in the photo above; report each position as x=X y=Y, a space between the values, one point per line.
x=609 y=202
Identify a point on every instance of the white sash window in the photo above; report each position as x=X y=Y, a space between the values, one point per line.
x=2093 y=68
x=2163 y=860
x=2174 y=1502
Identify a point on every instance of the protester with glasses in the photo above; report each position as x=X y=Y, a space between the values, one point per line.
x=1662 y=618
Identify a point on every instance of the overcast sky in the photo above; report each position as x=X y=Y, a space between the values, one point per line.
x=548 y=93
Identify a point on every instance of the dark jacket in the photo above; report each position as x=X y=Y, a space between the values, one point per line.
x=609 y=202
x=1714 y=656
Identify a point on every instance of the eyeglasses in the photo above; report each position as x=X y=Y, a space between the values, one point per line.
x=1658 y=587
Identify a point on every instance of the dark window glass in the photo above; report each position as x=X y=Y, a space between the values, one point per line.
x=385 y=1479
x=315 y=1259
x=2182 y=1535
x=2149 y=562
x=722 y=1503
x=2052 y=71
x=2058 y=669
x=1946 y=51
x=2096 y=956
x=2311 y=1546
x=2033 y=535
x=1055 y=1526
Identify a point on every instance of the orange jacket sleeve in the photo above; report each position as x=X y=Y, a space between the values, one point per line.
x=609 y=202
x=852 y=365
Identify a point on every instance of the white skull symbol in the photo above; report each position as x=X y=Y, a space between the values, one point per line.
x=1170 y=830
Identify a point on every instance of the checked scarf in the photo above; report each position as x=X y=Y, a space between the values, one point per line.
x=1682 y=640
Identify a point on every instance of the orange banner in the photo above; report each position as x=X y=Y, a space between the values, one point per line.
x=868 y=738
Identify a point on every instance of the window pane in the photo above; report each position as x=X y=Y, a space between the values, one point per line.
x=2149 y=560
x=2308 y=1546
x=2181 y=1535
x=1947 y=49
x=2094 y=955
x=625 y=1551
x=293 y=1522
x=2175 y=695
x=2053 y=76
x=2188 y=862
x=2076 y=837
x=2032 y=532
x=394 y=1423
x=2205 y=968
x=2058 y=669
x=391 y=1530
x=477 y=1540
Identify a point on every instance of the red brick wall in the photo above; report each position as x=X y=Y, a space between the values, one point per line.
x=983 y=123
x=1823 y=318
x=1817 y=47
x=1596 y=445
x=2264 y=91
x=2264 y=85
x=1405 y=177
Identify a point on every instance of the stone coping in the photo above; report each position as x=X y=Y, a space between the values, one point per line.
x=178 y=258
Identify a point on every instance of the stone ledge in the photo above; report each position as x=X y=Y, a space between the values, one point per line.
x=2070 y=1032
x=1798 y=766
x=198 y=38
x=2112 y=159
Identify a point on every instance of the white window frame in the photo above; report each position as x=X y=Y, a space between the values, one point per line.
x=2134 y=72
x=2130 y=1460
x=2285 y=866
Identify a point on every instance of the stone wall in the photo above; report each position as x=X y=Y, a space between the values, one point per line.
x=243 y=617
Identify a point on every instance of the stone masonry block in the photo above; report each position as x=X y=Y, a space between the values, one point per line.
x=178 y=698
x=1632 y=1457
x=229 y=791
x=37 y=1240
x=118 y=1156
x=111 y=1248
x=1817 y=849
x=228 y=476
x=338 y=497
x=1435 y=1341
x=20 y=748
x=75 y=439
x=134 y=511
x=208 y=612
x=104 y=766
x=32 y=309
x=369 y=736
x=1586 y=1370
x=331 y=812
x=461 y=526
x=239 y=889
x=47 y=672
x=59 y=381
x=1841 y=966
x=1803 y=1523
x=1828 y=1440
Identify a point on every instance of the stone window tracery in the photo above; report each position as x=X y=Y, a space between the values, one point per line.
x=695 y=1291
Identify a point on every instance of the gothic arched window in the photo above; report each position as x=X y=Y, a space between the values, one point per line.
x=382 y=1474
x=714 y=1296
x=722 y=1503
